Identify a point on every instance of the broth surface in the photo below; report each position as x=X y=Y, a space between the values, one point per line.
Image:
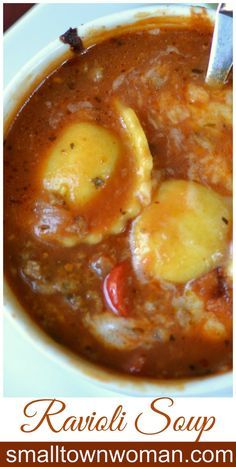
x=163 y=329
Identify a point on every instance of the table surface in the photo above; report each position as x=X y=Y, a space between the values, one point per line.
x=13 y=11
x=28 y=372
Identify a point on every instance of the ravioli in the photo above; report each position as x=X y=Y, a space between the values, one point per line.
x=143 y=159
x=88 y=159
x=183 y=234
x=81 y=161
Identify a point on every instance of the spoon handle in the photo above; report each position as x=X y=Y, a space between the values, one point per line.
x=221 y=56
x=226 y=8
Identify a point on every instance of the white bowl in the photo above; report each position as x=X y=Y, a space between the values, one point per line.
x=16 y=92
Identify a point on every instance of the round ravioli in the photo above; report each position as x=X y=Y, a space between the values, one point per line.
x=99 y=179
x=81 y=161
x=183 y=234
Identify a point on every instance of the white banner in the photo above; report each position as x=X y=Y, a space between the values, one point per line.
x=118 y=419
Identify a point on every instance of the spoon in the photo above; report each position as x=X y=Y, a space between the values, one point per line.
x=221 y=56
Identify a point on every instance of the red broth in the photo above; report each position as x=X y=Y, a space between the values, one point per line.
x=150 y=328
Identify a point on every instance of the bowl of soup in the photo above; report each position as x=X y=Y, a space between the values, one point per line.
x=118 y=203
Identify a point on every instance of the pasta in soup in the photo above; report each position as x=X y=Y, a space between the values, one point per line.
x=118 y=208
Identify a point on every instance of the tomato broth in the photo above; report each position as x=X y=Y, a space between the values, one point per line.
x=102 y=245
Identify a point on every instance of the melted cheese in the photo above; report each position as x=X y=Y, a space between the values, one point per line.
x=182 y=234
x=191 y=315
x=113 y=332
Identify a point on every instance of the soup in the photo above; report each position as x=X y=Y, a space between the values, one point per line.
x=118 y=204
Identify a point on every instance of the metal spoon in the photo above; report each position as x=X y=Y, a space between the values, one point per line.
x=221 y=56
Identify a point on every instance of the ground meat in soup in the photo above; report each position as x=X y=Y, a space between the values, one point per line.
x=85 y=289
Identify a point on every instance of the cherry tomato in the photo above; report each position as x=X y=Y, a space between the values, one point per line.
x=115 y=288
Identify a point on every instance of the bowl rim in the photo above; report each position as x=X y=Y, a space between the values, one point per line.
x=13 y=310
